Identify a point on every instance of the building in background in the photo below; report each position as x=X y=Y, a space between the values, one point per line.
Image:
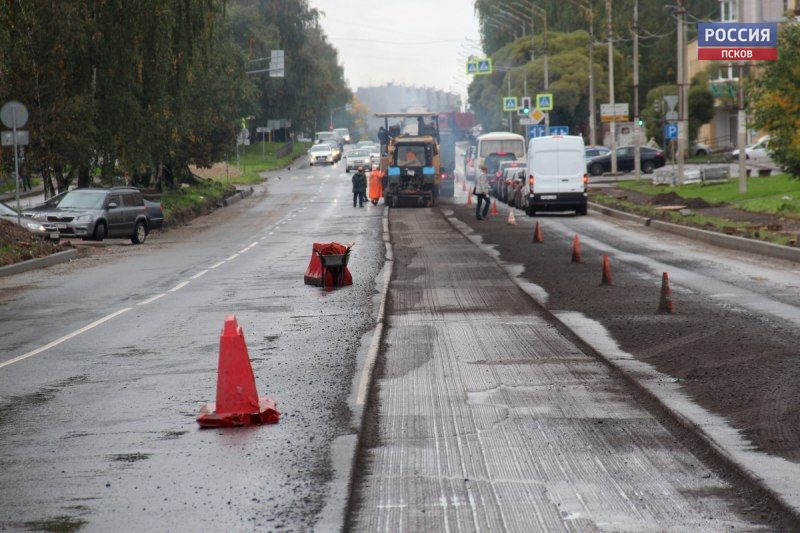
x=397 y=98
x=723 y=77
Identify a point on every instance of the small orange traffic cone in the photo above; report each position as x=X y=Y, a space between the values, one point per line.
x=469 y=198
x=537 y=234
x=237 y=403
x=576 y=249
x=512 y=220
x=463 y=185
x=607 y=279
x=493 y=211
x=665 y=303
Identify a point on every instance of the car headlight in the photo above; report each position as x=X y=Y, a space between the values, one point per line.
x=84 y=218
x=33 y=226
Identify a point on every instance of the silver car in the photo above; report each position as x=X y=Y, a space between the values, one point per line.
x=357 y=158
x=321 y=154
x=40 y=228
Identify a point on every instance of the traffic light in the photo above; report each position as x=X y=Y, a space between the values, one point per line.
x=526 y=105
x=640 y=122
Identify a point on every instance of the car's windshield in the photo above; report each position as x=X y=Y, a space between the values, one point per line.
x=341 y=131
x=321 y=148
x=358 y=153
x=83 y=200
x=494 y=160
x=514 y=146
x=411 y=155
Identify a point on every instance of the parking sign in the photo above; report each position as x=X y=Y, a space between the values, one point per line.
x=670 y=131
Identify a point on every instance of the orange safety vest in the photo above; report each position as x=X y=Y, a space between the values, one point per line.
x=375 y=185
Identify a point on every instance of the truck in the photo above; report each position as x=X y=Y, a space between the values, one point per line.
x=454 y=131
x=410 y=158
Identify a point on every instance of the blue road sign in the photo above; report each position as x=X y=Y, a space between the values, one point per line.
x=544 y=101
x=472 y=67
x=485 y=66
x=670 y=131
x=537 y=130
x=559 y=130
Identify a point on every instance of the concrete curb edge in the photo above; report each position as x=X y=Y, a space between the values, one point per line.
x=722 y=240
x=39 y=262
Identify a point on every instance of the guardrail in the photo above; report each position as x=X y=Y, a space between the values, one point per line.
x=284 y=150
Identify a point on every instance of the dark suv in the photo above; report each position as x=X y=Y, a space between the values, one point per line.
x=94 y=214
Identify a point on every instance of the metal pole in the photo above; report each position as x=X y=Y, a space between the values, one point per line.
x=16 y=159
x=510 y=117
x=637 y=142
x=525 y=95
x=741 y=126
x=681 y=12
x=611 y=90
x=592 y=110
x=546 y=73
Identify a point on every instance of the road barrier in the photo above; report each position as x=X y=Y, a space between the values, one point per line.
x=284 y=150
x=576 y=249
x=606 y=279
x=665 y=302
x=537 y=234
x=238 y=403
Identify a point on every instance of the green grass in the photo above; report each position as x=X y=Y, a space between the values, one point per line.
x=7 y=184
x=711 y=158
x=764 y=195
x=188 y=202
x=252 y=161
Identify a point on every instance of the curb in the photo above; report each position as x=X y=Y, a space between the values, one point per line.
x=732 y=242
x=236 y=197
x=767 y=474
x=27 y=194
x=39 y=262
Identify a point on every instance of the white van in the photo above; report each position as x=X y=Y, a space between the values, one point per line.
x=557 y=177
x=501 y=143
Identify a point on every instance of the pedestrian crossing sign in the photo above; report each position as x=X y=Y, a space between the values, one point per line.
x=510 y=103
x=472 y=67
x=544 y=101
x=485 y=65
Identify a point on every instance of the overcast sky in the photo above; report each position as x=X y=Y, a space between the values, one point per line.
x=364 y=32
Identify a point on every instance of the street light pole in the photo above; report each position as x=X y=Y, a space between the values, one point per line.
x=637 y=142
x=682 y=144
x=611 y=90
x=741 y=123
x=510 y=113
x=592 y=110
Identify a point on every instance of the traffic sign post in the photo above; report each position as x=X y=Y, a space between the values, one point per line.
x=15 y=115
x=537 y=130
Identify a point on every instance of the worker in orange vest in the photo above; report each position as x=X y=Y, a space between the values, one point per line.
x=375 y=185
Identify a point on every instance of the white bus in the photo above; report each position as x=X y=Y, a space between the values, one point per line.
x=500 y=143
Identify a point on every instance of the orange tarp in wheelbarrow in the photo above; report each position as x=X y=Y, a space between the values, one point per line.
x=317 y=274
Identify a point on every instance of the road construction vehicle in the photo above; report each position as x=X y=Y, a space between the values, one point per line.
x=410 y=158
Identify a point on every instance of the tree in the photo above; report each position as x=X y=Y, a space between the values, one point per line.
x=775 y=101
x=701 y=104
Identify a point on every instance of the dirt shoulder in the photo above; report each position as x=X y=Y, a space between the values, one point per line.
x=735 y=364
x=18 y=244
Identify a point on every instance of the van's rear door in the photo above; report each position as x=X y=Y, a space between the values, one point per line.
x=544 y=169
x=571 y=165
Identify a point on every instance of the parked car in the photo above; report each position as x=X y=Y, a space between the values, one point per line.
x=651 y=159
x=520 y=200
x=500 y=181
x=700 y=149
x=595 y=151
x=328 y=137
x=557 y=179
x=755 y=152
x=511 y=182
x=320 y=154
x=357 y=158
x=94 y=214
x=38 y=211
x=43 y=229
x=344 y=133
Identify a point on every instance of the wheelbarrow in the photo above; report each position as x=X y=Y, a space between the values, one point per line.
x=336 y=265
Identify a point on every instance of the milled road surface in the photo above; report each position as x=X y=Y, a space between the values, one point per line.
x=99 y=430
x=486 y=417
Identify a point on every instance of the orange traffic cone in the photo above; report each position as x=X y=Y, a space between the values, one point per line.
x=512 y=220
x=493 y=211
x=607 y=279
x=576 y=249
x=537 y=234
x=469 y=198
x=463 y=185
x=237 y=403
x=665 y=304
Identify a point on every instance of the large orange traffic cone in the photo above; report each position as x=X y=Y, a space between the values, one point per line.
x=537 y=234
x=469 y=198
x=665 y=304
x=237 y=403
x=607 y=279
x=493 y=211
x=512 y=220
x=576 y=249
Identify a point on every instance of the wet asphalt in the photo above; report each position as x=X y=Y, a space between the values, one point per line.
x=98 y=432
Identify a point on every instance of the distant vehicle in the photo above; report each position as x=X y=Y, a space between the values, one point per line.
x=357 y=158
x=498 y=180
x=336 y=149
x=651 y=159
x=557 y=179
x=508 y=181
x=454 y=128
x=493 y=162
x=699 y=149
x=595 y=151
x=42 y=229
x=501 y=143
x=94 y=214
x=328 y=136
x=320 y=154
x=755 y=152
x=344 y=133
x=520 y=196
x=362 y=144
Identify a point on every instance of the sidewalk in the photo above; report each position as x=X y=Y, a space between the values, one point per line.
x=486 y=417
x=26 y=199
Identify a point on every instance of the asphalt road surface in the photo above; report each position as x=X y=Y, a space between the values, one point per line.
x=487 y=417
x=104 y=364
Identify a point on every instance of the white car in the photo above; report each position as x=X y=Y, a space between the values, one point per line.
x=557 y=177
x=320 y=154
x=344 y=133
x=357 y=158
x=755 y=152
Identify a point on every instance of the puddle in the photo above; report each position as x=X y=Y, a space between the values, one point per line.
x=56 y=524
x=130 y=457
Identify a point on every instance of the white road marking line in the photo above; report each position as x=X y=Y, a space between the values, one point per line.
x=65 y=338
x=252 y=244
x=212 y=267
x=231 y=258
x=271 y=232
x=243 y=250
x=199 y=274
x=179 y=286
x=152 y=299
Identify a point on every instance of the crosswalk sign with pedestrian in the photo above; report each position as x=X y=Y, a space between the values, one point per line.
x=510 y=103
x=472 y=67
x=544 y=101
x=485 y=65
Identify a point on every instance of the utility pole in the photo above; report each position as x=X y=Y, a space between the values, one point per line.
x=682 y=107
x=546 y=73
x=741 y=122
x=611 y=89
x=510 y=113
x=592 y=110
x=637 y=141
x=525 y=95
